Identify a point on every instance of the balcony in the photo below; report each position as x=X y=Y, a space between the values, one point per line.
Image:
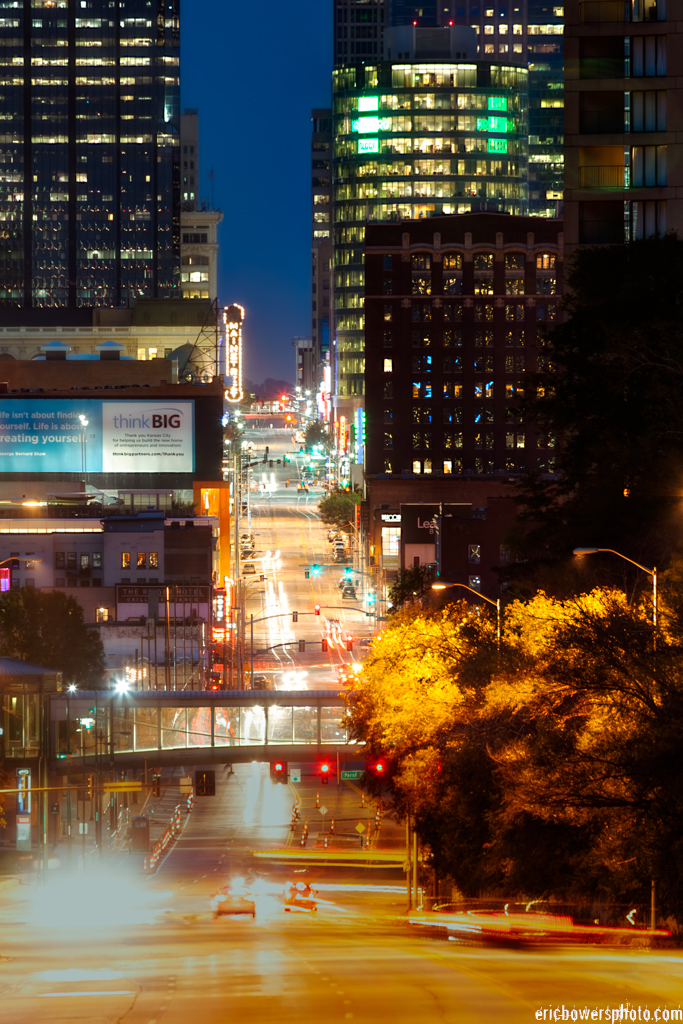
x=605 y=176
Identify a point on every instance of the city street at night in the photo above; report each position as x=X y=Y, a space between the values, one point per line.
x=114 y=947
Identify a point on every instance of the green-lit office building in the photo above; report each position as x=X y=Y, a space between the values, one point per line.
x=416 y=139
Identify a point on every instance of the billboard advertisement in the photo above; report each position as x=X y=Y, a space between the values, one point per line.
x=95 y=436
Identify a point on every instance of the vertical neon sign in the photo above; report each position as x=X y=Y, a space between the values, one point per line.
x=234 y=318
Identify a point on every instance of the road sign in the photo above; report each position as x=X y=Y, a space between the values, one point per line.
x=295 y=774
x=323 y=810
x=122 y=787
x=185 y=783
x=352 y=775
x=360 y=828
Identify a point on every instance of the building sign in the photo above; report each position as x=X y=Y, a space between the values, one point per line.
x=24 y=832
x=94 y=436
x=135 y=602
x=234 y=318
x=219 y=606
x=343 y=433
x=391 y=517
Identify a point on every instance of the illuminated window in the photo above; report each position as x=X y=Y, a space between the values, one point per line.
x=142 y=354
x=153 y=353
x=474 y=553
x=102 y=614
x=97 y=560
x=388 y=365
x=141 y=562
x=154 y=559
x=85 y=562
x=125 y=559
x=448 y=466
x=474 y=582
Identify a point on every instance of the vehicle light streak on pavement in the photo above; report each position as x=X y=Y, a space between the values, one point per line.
x=131 y=949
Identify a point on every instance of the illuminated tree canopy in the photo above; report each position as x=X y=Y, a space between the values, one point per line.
x=551 y=767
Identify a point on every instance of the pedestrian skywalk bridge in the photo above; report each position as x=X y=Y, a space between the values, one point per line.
x=197 y=727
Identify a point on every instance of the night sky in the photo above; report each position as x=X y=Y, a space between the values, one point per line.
x=254 y=71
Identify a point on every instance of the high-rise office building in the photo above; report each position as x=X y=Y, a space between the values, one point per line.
x=529 y=32
x=90 y=186
x=358 y=30
x=321 y=237
x=624 y=170
x=415 y=138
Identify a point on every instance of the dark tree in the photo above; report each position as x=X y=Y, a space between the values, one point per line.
x=316 y=434
x=411 y=584
x=611 y=396
x=49 y=630
x=339 y=509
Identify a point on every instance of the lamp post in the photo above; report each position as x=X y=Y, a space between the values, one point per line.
x=496 y=603
x=84 y=424
x=650 y=572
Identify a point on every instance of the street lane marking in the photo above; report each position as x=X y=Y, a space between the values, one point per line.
x=68 y=995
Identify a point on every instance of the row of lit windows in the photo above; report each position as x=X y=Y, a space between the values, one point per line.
x=480 y=465
x=453 y=311
x=143 y=560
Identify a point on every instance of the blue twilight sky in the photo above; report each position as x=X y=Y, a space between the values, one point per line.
x=254 y=71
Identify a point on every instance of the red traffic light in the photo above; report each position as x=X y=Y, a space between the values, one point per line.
x=379 y=767
x=324 y=768
x=278 y=771
x=317 y=609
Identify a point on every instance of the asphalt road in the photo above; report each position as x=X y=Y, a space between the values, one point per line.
x=114 y=948
x=286 y=520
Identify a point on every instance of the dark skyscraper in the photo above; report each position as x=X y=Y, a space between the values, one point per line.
x=358 y=30
x=89 y=155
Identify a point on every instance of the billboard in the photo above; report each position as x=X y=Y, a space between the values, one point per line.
x=96 y=436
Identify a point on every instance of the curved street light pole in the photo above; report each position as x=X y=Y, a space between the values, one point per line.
x=496 y=603
x=650 y=572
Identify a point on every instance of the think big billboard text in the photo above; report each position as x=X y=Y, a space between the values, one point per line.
x=50 y=436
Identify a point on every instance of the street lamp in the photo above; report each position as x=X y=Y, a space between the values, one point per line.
x=650 y=572
x=496 y=603
x=84 y=424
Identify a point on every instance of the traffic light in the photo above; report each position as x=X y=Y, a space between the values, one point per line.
x=324 y=645
x=325 y=773
x=263 y=577
x=378 y=768
x=307 y=573
x=278 y=771
x=205 y=783
x=349 y=643
x=156 y=785
x=295 y=616
x=315 y=569
x=302 y=646
x=91 y=787
x=317 y=609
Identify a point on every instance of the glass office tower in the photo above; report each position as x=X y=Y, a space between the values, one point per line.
x=531 y=32
x=89 y=156
x=411 y=141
